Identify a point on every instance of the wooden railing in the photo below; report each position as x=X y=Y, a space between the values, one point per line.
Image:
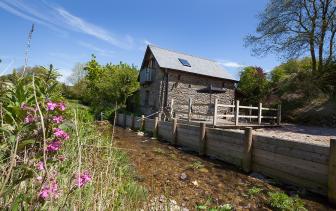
x=236 y=114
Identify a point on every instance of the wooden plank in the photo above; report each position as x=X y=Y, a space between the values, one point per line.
x=247 y=156
x=226 y=106
x=181 y=112
x=232 y=136
x=226 y=115
x=237 y=112
x=295 y=171
x=292 y=152
x=290 y=161
x=202 y=139
x=249 y=107
x=248 y=116
x=155 y=126
x=269 y=109
x=308 y=147
x=287 y=178
x=174 y=132
x=268 y=117
x=259 y=113
x=228 y=156
x=279 y=115
x=214 y=119
x=332 y=172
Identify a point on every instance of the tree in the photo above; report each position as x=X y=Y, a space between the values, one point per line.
x=295 y=28
x=78 y=73
x=253 y=85
x=109 y=84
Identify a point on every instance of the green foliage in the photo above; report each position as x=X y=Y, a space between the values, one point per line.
x=254 y=191
x=253 y=85
x=281 y=201
x=104 y=87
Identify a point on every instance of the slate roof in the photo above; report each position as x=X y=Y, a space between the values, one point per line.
x=170 y=60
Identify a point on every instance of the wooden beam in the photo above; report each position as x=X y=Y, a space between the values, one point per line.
x=142 y=123
x=259 y=113
x=247 y=156
x=332 y=172
x=202 y=139
x=237 y=113
x=189 y=109
x=155 y=127
x=174 y=132
x=214 y=123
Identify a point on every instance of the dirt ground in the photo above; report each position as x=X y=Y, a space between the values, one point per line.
x=190 y=180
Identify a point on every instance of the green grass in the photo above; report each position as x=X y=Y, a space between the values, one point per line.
x=283 y=202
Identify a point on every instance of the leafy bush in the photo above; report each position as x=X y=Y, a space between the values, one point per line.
x=53 y=156
x=281 y=201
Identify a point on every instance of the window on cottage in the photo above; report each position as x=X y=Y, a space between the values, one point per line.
x=147 y=98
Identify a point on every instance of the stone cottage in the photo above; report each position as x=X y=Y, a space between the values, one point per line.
x=167 y=75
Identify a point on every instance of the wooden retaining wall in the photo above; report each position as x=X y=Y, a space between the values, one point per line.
x=307 y=165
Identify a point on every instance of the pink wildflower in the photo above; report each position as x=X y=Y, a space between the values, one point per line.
x=39 y=178
x=40 y=166
x=54 y=146
x=61 y=106
x=59 y=133
x=82 y=179
x=57 y=119
x=49 y=190
x=29 y=119
x=51 y=106
x=24 y=106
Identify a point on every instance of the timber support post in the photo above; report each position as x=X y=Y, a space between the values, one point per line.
x=174 y=132
x=237 y=113
x=332 y=172
x=189 y=109
x=247 y=155
x=259 y=113
x=155 y=128
x=214 y=122
x=202 y=139
x=142 y=123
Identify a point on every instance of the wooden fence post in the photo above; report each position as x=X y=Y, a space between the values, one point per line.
x=259 y=113
x=189 y=109
x=172 y=108
x=332 y=172
x=214 y=123
x=250 y=113
x=237 y=113
x=155 y=128
x=202 y=143
x=142 y=123
x=174 y=132
x=125 y=116
x=247 y=156
x=279 y=115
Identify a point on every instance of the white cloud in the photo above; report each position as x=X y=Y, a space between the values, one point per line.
x=60 y=19
x=230 y=64
x=100 y=51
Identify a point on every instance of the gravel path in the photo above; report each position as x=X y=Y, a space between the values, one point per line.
x=310 y=134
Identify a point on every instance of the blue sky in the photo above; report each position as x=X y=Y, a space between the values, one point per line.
x=68 y=32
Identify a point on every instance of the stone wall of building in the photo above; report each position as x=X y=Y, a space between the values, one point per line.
x=183 y=86
x=155 y=93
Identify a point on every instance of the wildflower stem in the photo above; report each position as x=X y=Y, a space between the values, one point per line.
x=79 y=153
x=43 y=129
